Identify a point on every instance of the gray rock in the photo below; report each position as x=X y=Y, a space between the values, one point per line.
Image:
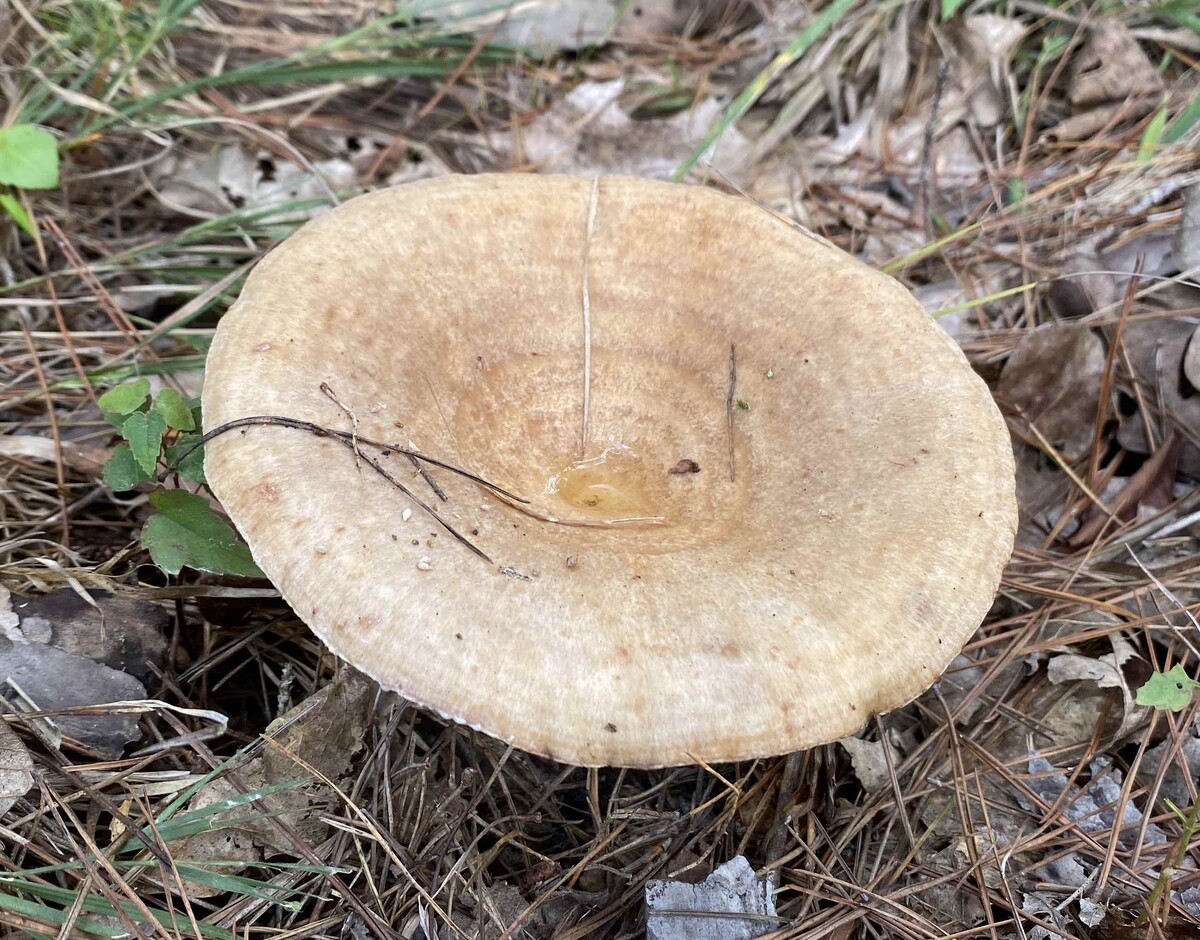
x=676 y=910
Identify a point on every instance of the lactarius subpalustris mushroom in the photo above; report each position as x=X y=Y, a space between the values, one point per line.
x=768 y=497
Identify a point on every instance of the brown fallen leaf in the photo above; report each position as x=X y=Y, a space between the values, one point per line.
x=326 y=732
x=1105 y=671
x=1085 y=126
x=1111 y=66
x=1042 y=491
x=1112 y=82
x=1151 y=481
x=83 y=458
x=1053 y=379
x=1155 y=350
x=980 y=46
x=586 y=133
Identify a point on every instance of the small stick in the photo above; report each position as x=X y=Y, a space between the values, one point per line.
x=437 y=490
x=299 y=425
x=729 y=405
x=428 y=508
x=433 y=484
x=587 y=318
x=328 y=392
x=927 y=155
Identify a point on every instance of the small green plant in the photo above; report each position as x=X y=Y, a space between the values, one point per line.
x=1170 y=690
x=28 y=160
x=164 y=429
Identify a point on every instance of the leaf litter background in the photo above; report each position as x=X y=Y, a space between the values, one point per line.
x=1029 y=169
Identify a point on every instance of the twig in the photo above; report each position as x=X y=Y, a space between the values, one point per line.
x=352 y=442
x=300 y=425
x=587 y=317
x=927 y=154
x=329 y=393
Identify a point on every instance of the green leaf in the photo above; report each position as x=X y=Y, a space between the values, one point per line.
x=950 y=7
x=171 y=405
x=1152 y=137
x=1184 y=122
x=28 y=157
x=126 y=398
x=187 y=532
x=122 y=472
x=1171 y=690
x=192 y=466
x=13 y=207
x=144 y=430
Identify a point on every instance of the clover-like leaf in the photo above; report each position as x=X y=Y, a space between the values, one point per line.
x=186 y=531
x=1171 y=690
x=122 y=472
x=28 y=157
x=144 y=430
x=174 y=409
x=125 y=399
x=191 y=467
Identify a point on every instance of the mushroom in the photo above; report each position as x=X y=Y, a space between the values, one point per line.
x=846 y=511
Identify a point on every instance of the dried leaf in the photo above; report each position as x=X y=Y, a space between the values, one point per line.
x=326 y=731
x=1111 y=66
x=1053 y=379
x=894 y=65
x=83 y=458
x=542 y=25
x=1156 y=350
x=1088 y=124
x=981 y=45
x=587 y=133
x=868 y=760
x=230 y=178
x=1151 y=486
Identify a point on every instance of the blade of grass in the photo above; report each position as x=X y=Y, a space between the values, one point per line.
x=980 y=301
x=92 y=904
x=823 y=22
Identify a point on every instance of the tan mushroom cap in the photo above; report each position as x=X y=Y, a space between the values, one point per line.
x=666 y=617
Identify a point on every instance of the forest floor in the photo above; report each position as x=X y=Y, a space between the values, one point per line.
x=1029 y=169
